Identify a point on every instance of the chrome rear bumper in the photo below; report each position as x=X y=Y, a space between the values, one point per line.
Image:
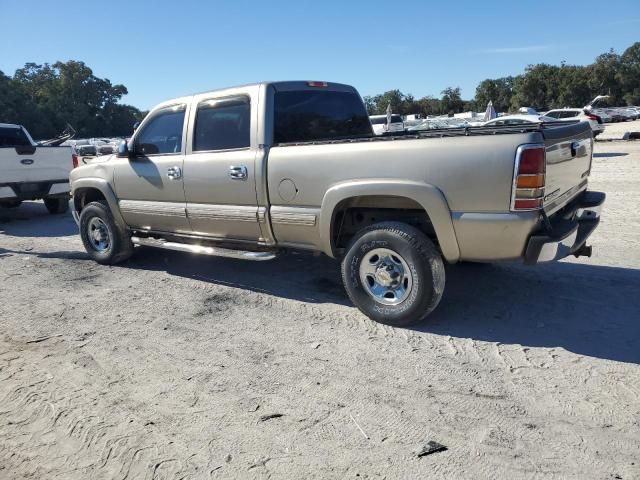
x=569 y=233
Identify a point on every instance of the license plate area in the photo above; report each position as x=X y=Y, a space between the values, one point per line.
x=29 y=187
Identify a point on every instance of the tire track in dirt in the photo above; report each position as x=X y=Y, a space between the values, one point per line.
x=195 y=363
x=51 y=413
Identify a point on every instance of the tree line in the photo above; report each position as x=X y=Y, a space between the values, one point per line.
x=44 y=98
x=541 y=86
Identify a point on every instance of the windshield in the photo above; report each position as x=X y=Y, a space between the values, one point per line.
x=13 y=137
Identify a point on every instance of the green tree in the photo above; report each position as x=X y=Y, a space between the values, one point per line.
x=50 y=96
x=537 y=88
x=498 y=91
x=573 y=87
x=451 y=101
x=604 y=77
x=630 y=74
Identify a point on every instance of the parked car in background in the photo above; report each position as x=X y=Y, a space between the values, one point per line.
x=618 y=115
x=86 y=150
x=601 y=113
x=528 y=111
x=247 y=171
x=630 y=113
x=379 y=124
x=442 y=122
x=601 y=107
x=519 y=120
x=597 y=125
x=32 y=172
x=106 y=149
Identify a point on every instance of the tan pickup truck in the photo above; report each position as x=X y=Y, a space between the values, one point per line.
x=251 y=171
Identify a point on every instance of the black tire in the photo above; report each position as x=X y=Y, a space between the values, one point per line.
x=118 y=247
x=11 y=203
x=422 y=259
x=56 y=204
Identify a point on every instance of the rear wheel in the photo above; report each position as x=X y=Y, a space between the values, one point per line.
x=102 y=239
x=56 y=204
x=393 y=273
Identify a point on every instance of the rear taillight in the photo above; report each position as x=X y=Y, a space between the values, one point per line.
x=528 y=178
x=74 y=159
x=318 y=84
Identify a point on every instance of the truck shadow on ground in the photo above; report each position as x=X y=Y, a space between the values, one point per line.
x=609 y=155
x=297 y=276
x=584 y=308
x=31 y=219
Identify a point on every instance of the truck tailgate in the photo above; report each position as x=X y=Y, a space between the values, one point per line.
x=568 y=163
x=34 y=164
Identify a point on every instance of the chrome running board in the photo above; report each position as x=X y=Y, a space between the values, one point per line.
x=203 y=250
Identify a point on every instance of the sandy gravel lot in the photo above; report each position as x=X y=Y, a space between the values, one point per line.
x=172 y=366
x=617 y=130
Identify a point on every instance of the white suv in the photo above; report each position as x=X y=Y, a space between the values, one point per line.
x=578 y=114
x=379 y=124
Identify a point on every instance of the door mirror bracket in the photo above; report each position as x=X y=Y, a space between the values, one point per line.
x=124 y=152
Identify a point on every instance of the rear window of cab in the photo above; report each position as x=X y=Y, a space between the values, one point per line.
x=309 y=115
x=13 y=137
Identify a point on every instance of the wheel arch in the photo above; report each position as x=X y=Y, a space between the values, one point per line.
x=86 y=190
x=429 y=198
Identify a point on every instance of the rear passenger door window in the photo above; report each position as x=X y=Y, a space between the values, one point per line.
x=223 y=124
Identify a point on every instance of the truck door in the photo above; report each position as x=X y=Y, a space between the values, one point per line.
x=150 y=185
x=219 y=174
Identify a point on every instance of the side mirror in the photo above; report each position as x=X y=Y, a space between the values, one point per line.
x=123 y=150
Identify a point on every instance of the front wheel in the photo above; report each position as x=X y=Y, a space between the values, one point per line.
x=393 y=273
x=56 y=204
x=102 y=239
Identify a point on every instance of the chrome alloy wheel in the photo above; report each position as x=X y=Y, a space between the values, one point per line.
x=98 y=234
x=385 y=276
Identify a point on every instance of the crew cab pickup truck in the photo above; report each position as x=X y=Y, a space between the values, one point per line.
x=30 y=172
x=251 y=171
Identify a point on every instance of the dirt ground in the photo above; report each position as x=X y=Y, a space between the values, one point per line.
x=617 y=130
x=172 y=366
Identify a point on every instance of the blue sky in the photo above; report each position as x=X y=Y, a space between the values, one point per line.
x=161 y=49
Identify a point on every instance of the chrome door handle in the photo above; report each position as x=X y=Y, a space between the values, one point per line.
x=574 y=148
x=238 y=173
x=174 y=173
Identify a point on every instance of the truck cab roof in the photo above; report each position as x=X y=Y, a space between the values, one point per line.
x=277 y=85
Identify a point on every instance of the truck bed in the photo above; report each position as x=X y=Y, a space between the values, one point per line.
x=547 y=128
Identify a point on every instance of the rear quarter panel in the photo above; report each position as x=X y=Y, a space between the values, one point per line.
x=474 y=173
